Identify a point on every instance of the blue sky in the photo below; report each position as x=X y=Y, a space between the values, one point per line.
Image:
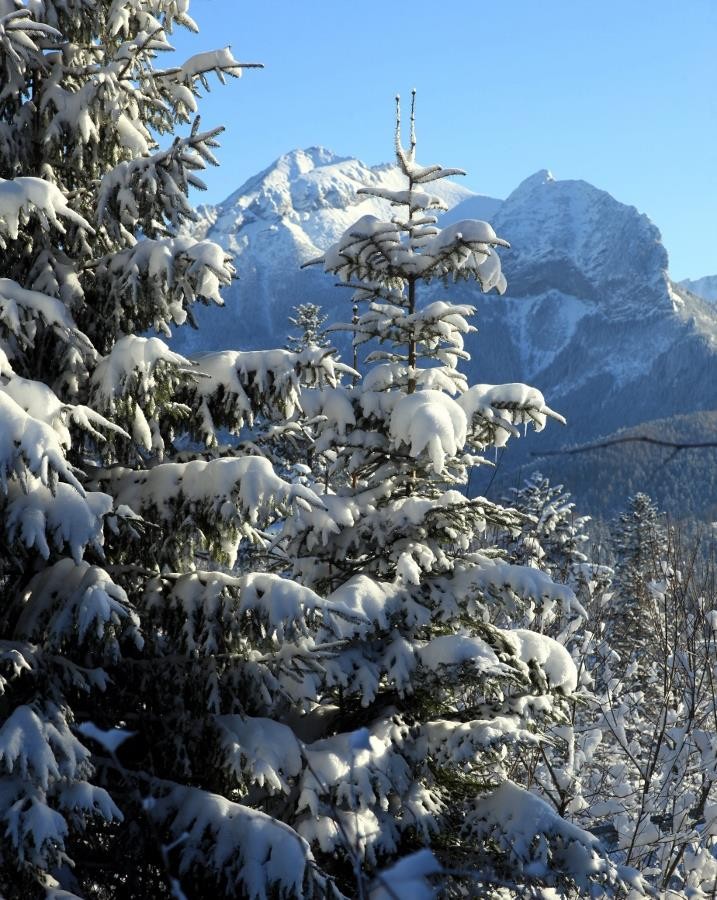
x=621 y=94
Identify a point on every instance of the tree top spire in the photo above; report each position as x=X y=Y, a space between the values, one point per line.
x=401 y=155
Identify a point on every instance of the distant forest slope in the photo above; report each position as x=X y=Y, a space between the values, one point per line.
x=682 y=483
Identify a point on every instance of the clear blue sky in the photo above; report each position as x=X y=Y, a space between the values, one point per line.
x=621 y=93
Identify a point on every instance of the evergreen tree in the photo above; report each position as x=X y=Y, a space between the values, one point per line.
x=122 y=663
x=309 y=320
x=435 y=693
x=553 y=534
x=640 y=548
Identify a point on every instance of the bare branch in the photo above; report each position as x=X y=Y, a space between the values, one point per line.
x=637 y=439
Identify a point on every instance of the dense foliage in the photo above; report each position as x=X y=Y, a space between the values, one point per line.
x=255 y=640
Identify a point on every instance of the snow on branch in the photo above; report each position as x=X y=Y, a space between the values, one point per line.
x=429 y=421
x=28 y=445
x=71 y=601
x=351 y=790
x=541 y=845
x=131 y=369
x=197 y=67
x=262 y=751
x=495 y=581
x=220 y=610
x=16 y=659
x=20 y=312
x=20 y=39
x=37 y=517
x=142 y=192
x=25 y=197
x=408 y=878
x=181 y=85
x=476 y=742
x=412 y=199
x=437 y=329
x=137 y=383
x=156 y=282
x=43 y=404
x=44 y=770
x=244 y=848
x=376 y=251
x=234 y=386
x=125 y=17
x=494 y=410
x=225 y=389
x=231 y=495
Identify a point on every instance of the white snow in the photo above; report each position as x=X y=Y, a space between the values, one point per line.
x=37 y=517
x=241 y=843
x=457 y=649
x=406 y=879
x=264 y=749
x=23 y=197
x=132 y=356
x=111 y=739
x=552 y=657
x=75 y=599
x=430 y=421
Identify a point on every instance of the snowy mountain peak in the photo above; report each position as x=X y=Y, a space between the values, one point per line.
x=537 y=179
x=309 y=197
x=570 y=236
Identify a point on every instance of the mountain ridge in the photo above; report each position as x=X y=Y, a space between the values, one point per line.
x=590 y=316
x=705 y=287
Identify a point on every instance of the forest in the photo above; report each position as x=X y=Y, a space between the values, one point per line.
x=257 y=638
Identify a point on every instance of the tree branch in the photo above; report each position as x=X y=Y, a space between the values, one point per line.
x=638 y=439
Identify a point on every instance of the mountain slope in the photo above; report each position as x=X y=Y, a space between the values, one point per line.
x=683 y=483
x=591 y=316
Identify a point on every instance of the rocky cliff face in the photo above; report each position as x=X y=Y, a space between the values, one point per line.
x=591 y=316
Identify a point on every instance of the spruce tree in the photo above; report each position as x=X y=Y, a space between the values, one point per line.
x=309 y=321
x=124 y=655
x=554 y=534
x=435 y=693
x=640 y=548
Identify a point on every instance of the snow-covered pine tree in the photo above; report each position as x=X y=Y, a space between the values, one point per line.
x=107 y=627
x=553 y=534
x=308 y=322
x=554 y=538
x=640 y=548
x=433 y=693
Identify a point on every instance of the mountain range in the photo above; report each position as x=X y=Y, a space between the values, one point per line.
x=591 y=316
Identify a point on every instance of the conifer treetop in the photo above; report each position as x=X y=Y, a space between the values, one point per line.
x=411 y=247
